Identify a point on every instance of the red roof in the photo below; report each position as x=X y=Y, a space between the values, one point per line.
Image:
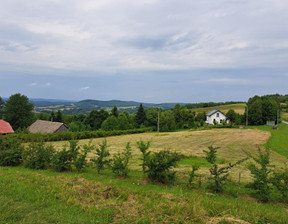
x=5 y=127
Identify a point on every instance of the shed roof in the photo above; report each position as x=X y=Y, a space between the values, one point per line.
x=41 y=126
x=5 y=127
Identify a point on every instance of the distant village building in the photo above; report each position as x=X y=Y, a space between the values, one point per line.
x=41 y=126
x=216 y=117
x=5 y=128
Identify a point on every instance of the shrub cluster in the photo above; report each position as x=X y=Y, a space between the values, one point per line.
x=157 y=165
x=10 y=152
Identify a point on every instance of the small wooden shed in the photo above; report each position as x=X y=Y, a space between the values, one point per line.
x=41 y=126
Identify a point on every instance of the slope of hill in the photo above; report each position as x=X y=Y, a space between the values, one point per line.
x=85 y=106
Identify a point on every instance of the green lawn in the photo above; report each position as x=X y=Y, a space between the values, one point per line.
x=28 y=196
x=278 y=141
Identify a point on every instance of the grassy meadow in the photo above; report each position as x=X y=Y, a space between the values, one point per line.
x=29 y=196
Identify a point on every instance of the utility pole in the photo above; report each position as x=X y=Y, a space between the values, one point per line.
x=158 y=121
x=247 y=116
x=277 y=116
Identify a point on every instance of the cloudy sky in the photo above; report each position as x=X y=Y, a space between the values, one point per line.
x=144 y=50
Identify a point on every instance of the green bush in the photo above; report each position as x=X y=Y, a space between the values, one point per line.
x=37 y=156
x=10 y=151
x=101 y=156
x=63 y=160
x=193 y=174
x=143 y=147
x=279 y=179
x=219 y=175
x=120 y=161
x=159 y=166
x=80 y=161
x=260 y=171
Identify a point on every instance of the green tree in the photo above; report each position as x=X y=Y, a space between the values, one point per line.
x=18 y=111
x=2 y=106
x=123 y=122
x=120 y=161
x=262 y=109
x=260 y=171
x=231 y=115
x=218 y=174
x=178 y=112
x=151 y=117
x=115 y=111
x=110 y=124
x=58 y=116
x=145 y=153
x=167 y=121
x=101 y=156
x=159 y=166
x=95 y=118
x=140 y=116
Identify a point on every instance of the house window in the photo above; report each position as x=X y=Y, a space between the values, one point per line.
x=217 y=114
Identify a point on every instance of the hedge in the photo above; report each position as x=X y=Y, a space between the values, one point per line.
x=63 y=136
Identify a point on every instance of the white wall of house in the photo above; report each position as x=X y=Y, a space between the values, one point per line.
x=218 y=116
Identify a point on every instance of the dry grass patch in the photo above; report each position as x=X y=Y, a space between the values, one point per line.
x=232 y=143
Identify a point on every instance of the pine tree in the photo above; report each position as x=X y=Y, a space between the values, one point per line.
x=115 y=111
x=140 y=117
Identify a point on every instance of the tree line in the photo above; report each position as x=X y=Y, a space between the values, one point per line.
x=19 y=112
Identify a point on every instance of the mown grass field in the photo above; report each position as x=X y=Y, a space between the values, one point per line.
x=232 y=142
x=29 y=196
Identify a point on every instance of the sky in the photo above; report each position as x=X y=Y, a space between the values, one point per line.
x=145 y=50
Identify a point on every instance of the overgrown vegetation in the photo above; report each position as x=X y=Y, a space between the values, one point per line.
x=218 y=174
x=37 y=156
x=143 y=147
x=159 y=165
x=120 y=161
x=101 y=157
x=260 y=171
x=10 y=152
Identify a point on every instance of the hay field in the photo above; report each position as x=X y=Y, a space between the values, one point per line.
x=238 y=108
x=232 y=142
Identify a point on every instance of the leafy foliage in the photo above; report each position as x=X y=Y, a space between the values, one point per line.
x=159 y=166
x=37 y=156
x=280 y=180
x=10 y=152
x=262 y=109
x=260 y=171
x=18 y=111
x=211 y=154
x=218 y=174
x=2 y=106
x=193 y=174
x=120 y=161
x=63 y=160
x=145 y=154
x=140 y=116
x=102 y=153
x=80 y=161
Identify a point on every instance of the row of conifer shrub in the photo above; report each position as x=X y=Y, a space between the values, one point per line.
x=64 y=136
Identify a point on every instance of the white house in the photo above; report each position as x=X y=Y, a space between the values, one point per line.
x=216 y=116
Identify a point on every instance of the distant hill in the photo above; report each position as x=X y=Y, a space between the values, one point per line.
x=85 y=106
